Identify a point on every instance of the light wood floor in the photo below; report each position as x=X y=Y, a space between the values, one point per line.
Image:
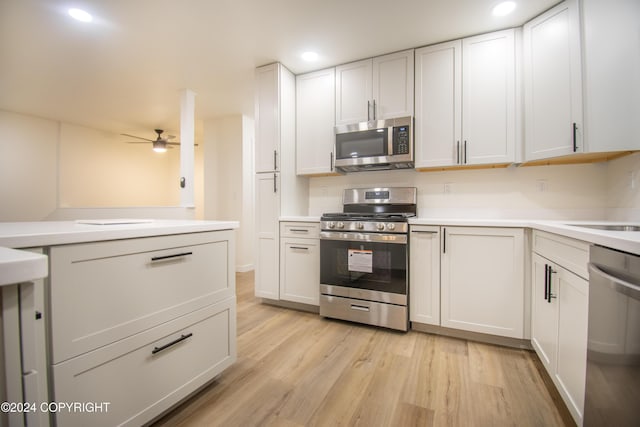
x=296 y=369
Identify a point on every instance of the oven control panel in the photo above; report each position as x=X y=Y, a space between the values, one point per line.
x=366 y=226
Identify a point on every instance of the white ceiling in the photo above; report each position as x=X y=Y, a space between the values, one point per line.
x=125 y=70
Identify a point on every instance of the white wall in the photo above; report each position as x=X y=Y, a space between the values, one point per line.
x=97 y=169
x=543 y=192
x=228 y=161
x=48 y=169
x=28 y=167
x=623 y=188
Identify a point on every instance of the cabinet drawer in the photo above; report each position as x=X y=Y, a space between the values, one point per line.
x=309 y=230
x=569 y=253
x=139 y=384
x=103 y=292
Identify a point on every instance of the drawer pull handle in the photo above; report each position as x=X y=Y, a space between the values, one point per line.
x=160 y=258
x=302 y=248
x=298 y=230
x=359 y=307
x=174 y=342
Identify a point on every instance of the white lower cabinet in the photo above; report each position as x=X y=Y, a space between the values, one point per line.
x=139 y=324
x=559 y=315
x=300 y=262
x=140 y=377
x=482 y=280
x=424 y=274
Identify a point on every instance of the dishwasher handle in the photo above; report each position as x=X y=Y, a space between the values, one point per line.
x=619 y=285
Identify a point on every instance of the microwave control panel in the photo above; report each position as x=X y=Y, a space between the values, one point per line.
x=401 y=140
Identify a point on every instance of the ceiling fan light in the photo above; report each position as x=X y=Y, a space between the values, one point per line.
x=159 y=146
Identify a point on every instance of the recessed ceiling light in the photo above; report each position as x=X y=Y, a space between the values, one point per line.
x=504 y=8
x=310 y=56
x=80 y=15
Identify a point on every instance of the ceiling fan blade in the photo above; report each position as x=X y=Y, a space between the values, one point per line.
x=137 y=142
x=138 y=137
x=177 y=143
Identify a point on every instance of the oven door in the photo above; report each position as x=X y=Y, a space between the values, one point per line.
x=365 y=261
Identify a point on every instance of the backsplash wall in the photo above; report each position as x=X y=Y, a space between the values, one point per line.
x=579 y=192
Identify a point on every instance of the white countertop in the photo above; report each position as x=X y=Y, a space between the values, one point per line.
x=628 y=241
x=300 y=218
x=50 y=233
x=21 y=266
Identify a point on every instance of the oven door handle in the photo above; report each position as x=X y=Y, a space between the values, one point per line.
x=364 y=237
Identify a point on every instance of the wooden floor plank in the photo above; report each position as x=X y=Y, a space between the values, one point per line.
x=298 y=369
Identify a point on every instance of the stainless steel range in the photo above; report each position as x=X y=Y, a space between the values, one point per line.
x=364 y=257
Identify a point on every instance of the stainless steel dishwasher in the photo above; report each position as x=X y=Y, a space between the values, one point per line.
x=612 y=394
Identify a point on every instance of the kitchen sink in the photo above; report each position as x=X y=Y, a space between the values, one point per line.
x=609 y=227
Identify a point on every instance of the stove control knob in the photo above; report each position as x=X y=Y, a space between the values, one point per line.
x=391 y=226
x=331 y=224
x=359 y=225
x=380 y=226
x=340 y=224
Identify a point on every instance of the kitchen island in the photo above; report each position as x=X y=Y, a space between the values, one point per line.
x=138 y=314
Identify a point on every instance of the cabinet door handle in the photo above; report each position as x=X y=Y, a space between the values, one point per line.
x=444 y=240
x=424 y=231
x=298 y=230
x=549 y=294
x=160 y=258
x=457 y=152
x=275 y=160
x=575 y=139
x=375 y=113
x=546 y=281
x=465 y=152
x=368 y=110
x=275 y=184
x=174 y=342
x=331 y=161
x=302 y=248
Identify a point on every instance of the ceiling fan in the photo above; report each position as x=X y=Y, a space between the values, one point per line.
x=160 y=144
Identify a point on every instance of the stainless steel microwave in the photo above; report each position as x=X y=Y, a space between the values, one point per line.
x=375 y=145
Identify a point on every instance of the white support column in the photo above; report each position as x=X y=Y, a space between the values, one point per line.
x=187 y=136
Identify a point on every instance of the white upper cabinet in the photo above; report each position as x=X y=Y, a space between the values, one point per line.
x=466 y=101
x=553 y=83
x=611 y=74
x=353 y=92
x=393 y=85
x=438 y=125
x=315 y=118
x=488 y=98
x=375 y=89
x=267 y=117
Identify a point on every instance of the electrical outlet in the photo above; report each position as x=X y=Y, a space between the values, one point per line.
x=542 y=185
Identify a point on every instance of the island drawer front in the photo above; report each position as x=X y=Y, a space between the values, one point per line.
x=305 y=230
x=139 y=384
x=570 y=253
x=103 y=292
